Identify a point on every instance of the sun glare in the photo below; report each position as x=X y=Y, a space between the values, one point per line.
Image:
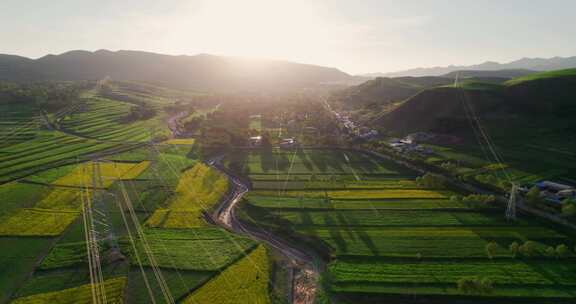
x=256 y=28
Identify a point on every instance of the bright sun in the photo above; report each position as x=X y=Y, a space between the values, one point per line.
x=255 y=28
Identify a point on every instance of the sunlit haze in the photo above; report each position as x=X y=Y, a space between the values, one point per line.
x=355 y=36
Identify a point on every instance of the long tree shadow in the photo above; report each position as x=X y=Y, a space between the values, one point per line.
x=363 y=163
x=336 y=163
x=267 y=161
x=304 y=159
x=345 y=224
x=282 y=162
x=335 y=234
x=318 y=160
x=366 y=239
x=237 y=162
x=307 y=223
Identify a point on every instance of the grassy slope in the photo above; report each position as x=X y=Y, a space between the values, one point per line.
x=567 y=73
x=530 y=119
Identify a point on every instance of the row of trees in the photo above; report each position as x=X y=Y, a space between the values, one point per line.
x=530 y=249
x=475 y=200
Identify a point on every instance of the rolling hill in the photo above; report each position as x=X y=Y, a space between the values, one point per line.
x=384 y=90
x=201 y=72
x=543 y=101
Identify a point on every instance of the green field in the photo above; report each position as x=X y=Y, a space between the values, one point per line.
x=201 y=249
x=46 y=177
x=386 y=236
x=376 y=232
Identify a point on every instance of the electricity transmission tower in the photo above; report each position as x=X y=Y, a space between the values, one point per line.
x=511 y=208
x=102 y=229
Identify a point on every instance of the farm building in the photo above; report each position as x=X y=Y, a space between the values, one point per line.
x=288 y=143
x=555 y=192
x=255 y=141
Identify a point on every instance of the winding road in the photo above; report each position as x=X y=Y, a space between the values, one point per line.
x=305 y=272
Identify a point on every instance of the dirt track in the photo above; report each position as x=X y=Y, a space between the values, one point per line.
x=305 y=272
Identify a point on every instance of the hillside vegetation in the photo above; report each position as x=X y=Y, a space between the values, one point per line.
x=543 y=99
x=383 y=90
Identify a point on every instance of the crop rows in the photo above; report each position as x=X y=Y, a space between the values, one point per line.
x=78 y=295
x=103 y=119
x=244 y=282
x=388 y=235
x=200 y=249
x=198 y=190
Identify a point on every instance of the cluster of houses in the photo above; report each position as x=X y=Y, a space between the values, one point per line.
x=413 y=142
x=360 y=132
x=255 y=141
x=288 y=143
x=345 y=121
x=553 y=192
x=410 y=144
x=285 y=143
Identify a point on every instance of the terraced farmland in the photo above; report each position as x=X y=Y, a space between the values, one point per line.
x=46 y=167
x=51 y=150
x=388 y=237
x=18 y=123
x=104 y=119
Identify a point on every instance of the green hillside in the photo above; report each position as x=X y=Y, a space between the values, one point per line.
x=383 y=90
x=544 y=99
x=529 y=119
x=554 y=75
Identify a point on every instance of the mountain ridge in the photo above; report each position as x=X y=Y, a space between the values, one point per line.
x=201 y=72
x=525 y=63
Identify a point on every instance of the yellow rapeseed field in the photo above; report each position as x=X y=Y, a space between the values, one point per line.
x=60 y=207
x=243 y=282
x=199 y=189
x=36 y=222
x=82 y=175
x=61 y=199
x=180 y=141
x=78 y=295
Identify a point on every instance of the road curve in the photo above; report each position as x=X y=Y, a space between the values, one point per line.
x=305 y=273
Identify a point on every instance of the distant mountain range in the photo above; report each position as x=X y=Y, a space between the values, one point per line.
x=534 y=64
x=201 y=72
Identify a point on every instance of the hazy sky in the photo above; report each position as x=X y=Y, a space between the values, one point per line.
x=356 y=36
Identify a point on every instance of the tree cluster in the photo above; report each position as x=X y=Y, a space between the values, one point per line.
x=569 y=208
x=140 y=112
x=46 y=95
x=432 y=181
x=475 y=285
